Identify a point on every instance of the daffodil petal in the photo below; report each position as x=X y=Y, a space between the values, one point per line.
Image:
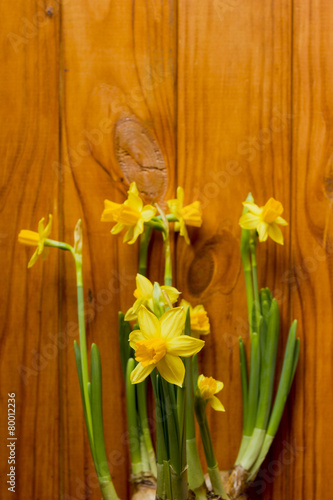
x=216 y=404
x=219 y=386
x=281 y=221
x=131 y=314
x=172 y=323
x=185 y=304
x=140 y=373
x=134 y=337
x=33 y=259
x=148 y=212
x=249 y=221
x=172 y=369
x=133 y=189
x=117 y=228
x=184 y=346
x=275 y=233
x=149 y=324
x=48 y=228
x=143 y=285
x=172 y=292
x=252 y=207
x=263 y=229
x=133 y=232
x=134 y=201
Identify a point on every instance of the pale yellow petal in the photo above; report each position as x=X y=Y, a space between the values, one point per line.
x=41 y=227
x=216 y=404
x=185 y=304
x=172 y=292
x=136 y=231
x=33 y=259
x=253 y=208
x=131 y=314
x=148 y=212
x=149 y=324
x=275 y=233
x=281 y=221
x=144 y=286
x=263 y=229
x=172 y=369
x=48 y=229
x=172 y=323
x=219 y=386
x=117 y=228
x=249 y=221
x=184 y=346
x=134 y=336
x=140 y=373
x=134 y=201
x=133 y=189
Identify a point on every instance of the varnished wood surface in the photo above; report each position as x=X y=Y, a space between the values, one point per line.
x=221 y=97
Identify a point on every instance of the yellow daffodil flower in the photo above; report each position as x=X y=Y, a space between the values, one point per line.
x=199 y=319
x=159 y=344
x=264 y=219
x=32 y=238
x=189 y=215
x=144 y=296
x=208 y=386
x=130 y=215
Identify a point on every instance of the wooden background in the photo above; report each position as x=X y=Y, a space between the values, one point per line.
x=220 y=97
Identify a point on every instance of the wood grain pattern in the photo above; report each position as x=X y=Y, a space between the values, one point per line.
x=234 y=93
x=29 y=142
x=220 y=97
x=118 y=126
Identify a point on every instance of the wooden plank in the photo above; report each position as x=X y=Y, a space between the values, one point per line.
x=312 y=405
x=119 y=70
x=234 y=123
x=29 y=307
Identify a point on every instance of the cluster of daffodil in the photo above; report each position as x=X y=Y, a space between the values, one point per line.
x=160 y=341
x=90 y=383
x=261 y=416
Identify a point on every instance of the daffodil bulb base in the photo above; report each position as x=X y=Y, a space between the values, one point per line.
x=237 y=482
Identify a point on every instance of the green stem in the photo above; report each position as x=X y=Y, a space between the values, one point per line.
x=212 y=465
x=143 y=254
x=142 y=407
x=288 y=371
x=107 y=489
x=245 y=393
x=200 y=411
x=132 y=424
x=172 y=427
x=179 y=484
x=168 y=260
x=83 y=341
x=58 y=244
x=253 y=385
